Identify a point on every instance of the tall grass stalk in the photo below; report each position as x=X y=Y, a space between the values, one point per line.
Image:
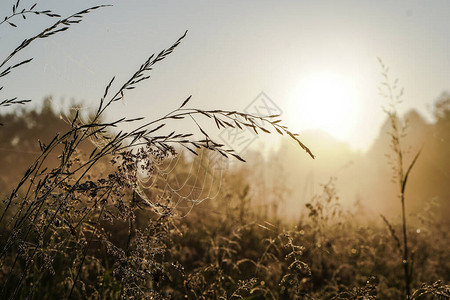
x=391 y=92
x=58 y=213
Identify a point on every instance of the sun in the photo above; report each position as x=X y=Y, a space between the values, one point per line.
x=327 y=101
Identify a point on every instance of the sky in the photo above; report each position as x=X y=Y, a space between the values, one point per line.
x=315 y=61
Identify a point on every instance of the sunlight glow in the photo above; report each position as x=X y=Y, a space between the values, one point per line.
x=328 y=102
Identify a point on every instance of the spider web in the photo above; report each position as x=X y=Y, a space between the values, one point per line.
x=180 y=181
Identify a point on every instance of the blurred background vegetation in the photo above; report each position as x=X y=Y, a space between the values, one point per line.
x=286 y=178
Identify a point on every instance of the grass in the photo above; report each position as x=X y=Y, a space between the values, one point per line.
x=397 y=133
x=79 y=225
x=56 y=214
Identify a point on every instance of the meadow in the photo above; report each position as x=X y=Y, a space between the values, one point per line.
x=92 y=211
